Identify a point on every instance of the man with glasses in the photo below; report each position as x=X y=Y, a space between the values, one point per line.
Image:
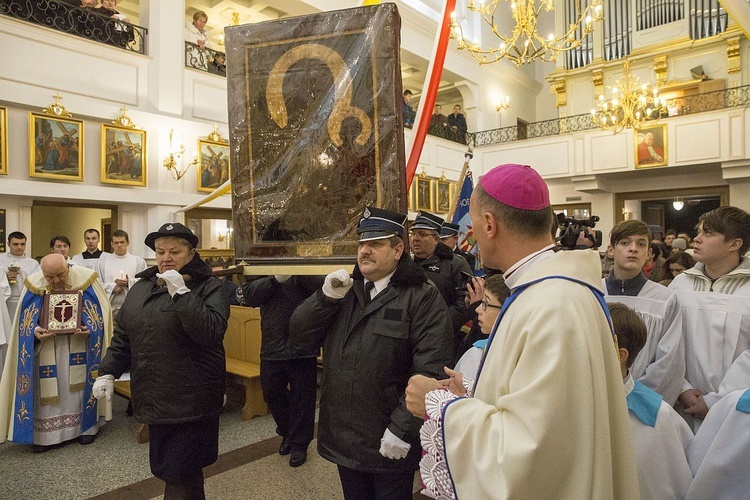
x=448 y=271
x=660 y=364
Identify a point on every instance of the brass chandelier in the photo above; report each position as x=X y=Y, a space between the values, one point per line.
x=632 y=105
x=525 y=44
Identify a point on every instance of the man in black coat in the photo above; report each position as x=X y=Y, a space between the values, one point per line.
x=169 y=335
x=449 y=237
x=288 y=373
x=448 y=271
x=377 y=329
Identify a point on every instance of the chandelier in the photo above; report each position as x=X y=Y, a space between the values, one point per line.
x=632 y=105
x=525 y=44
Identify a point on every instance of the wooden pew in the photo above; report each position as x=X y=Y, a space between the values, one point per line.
x=242 y=346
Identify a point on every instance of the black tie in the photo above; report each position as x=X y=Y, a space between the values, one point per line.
x=369 y=285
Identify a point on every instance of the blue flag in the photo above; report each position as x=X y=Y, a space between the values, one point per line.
x=466 y=241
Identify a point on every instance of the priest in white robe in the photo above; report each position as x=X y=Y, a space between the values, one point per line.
x=4 y=318
x=548 y=417
x=58 y=406
x=660 y=365
x=719 y=455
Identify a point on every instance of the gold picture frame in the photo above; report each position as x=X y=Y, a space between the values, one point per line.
x=423 y=194
x=651 y=146
x=442 y=196
x=55 y=147
x=123 y=153
x=3 y=141
x=213 y=162
x=413 y=196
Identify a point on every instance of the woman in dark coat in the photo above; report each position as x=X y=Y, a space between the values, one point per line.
x=169 y=335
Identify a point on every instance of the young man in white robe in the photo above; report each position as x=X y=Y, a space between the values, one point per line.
x=90 y=256
x=719 y=455
x=17 y=267
x=660 y=366
x=45 y=391
x=5 y=330
x=117 y=270
x=660 y=435
x=547 y=417
x=715 y=300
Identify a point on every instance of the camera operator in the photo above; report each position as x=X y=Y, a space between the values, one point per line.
x=577 y=234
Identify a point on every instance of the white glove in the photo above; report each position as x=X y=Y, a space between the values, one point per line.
x=175 y=282
x=104 y=386
x=282 y=277
x=393 y=447
x=337 y=284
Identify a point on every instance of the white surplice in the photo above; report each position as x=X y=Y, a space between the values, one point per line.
x=660 y=365
x=719 y=455
x=663 y=470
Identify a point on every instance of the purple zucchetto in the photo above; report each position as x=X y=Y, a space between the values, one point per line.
x=518 y=186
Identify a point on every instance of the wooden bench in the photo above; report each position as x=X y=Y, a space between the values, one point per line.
x=242 y=347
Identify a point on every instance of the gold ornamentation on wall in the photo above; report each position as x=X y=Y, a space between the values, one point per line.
x=558 y=88
x=733 y=55
x=660 y=68
x=597 y=76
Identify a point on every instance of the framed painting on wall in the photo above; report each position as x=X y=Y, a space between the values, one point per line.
x=213 y=157
x=651 y=146
x=123 y=159
x=55 y=147
x=442 y=196
x=424 y=193
x=3 y=141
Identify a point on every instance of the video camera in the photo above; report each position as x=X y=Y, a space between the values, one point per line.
x=572 y=229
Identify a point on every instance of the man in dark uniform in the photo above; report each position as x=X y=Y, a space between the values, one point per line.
x=442 y=267
x=288 y=373
x=449 y=237
x=377 y=329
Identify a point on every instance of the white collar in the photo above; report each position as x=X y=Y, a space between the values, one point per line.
x=516 y=270
x=628 y=383
x=380 y=284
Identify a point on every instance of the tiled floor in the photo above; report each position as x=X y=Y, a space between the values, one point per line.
x=115 y=467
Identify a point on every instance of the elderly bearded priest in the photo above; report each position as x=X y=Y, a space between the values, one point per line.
x=46 y=389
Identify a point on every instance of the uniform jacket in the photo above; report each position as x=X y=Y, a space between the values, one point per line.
x=444 y=268
x=173 y=347
x=277 y=301
x=369 y=353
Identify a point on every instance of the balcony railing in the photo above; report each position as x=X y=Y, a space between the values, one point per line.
x=80 y=22
x=208 y=60
x=679 y=106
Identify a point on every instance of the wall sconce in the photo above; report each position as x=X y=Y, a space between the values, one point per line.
x=678 y=204
x=171 y=161
x=226 y=235
x=504 y=103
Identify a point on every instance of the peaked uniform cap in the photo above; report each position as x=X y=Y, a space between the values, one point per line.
x=378 y=223
x=518 y=186
x=426 y=220
x=172 y=229
x=449 y=229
